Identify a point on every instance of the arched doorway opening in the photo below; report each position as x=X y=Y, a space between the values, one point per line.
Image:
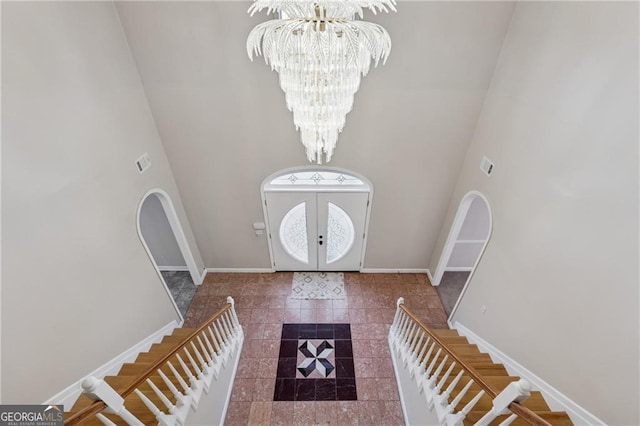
x=316 y=218
x=166 y=245
x=466 y=242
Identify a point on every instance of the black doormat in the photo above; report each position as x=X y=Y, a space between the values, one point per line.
x=315 y=363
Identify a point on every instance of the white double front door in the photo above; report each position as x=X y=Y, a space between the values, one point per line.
x=317 y=231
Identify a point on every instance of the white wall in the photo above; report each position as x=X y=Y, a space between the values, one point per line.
x=225 y=126
x=559 y=276
x=158 y=235
x=78 y=286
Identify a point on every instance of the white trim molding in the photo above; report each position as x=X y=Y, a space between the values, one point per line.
x=241 y=270
x=173 y=268
x=458 y=269
x=394 y=271
x=69 y=395
x=556 y=400
x=428 y=272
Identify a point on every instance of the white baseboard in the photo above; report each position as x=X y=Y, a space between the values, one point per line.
x=458 y=269
x=69 y=395
x=556 y=400
x=430 y=277
x=173 y=268
x=393 y=271
x=241 y=270
x=202 y=276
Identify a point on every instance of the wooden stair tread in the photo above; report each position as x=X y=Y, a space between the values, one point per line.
x=535 y=402
x=556 y=418
x=445 y=332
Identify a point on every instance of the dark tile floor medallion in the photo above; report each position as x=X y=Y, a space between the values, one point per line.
x=315 y=363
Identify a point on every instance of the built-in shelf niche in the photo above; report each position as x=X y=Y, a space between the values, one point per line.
x=471 y=238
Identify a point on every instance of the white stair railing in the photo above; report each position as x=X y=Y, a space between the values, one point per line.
x=201 y=358
x=425 y=357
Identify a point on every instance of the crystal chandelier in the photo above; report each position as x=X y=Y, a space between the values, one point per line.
x=320 y=51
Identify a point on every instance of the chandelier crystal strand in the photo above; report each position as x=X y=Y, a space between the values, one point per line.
x=320 y=54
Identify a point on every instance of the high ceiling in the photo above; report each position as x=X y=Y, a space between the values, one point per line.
x=225 y=127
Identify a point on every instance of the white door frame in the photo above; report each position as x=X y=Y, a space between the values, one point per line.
x=319 y=188
x=178 y=232
x=454 y=231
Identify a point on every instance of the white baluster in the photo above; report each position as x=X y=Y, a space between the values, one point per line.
x=221 y=339
x=181 y=399
x=445 y=377
x=233 y=311
x=163 y=419
x=194 y=364
x=204 y=365
x=97 y=389
x=443 y=399
x=421 y=369
x=205 y=352
x=425 y=380
x=396 y=317
x=453 y=404
x=215 y=359
x=405 y=322
x=234 y=330
x=416 y=345
x=214 y=340
x=195 y=384
x=420 y=359
x=225 y=326
x=172 y=408
x=405 y=344
x=457 y=418
x=193 y=400
x=212 y=351
x=431 y=382
x=515 y=391
x=433 y=362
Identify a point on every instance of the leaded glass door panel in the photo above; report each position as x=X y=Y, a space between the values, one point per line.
x=290 y=216
x=312 y=231
x=341 y=221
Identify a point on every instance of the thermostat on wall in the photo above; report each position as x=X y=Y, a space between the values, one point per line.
x=143 y=163
x=486 y=166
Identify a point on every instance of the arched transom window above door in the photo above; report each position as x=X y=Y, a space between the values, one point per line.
x=314 y=178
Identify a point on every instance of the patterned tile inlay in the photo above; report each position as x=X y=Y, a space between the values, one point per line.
x=315 y=359
x=315 y=363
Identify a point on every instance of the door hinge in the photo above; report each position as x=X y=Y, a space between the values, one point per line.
x=367 y=203
x=269 y=235
x=265 y=202
x=364 y=235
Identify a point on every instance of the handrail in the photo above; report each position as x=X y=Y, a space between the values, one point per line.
x=516 y=408
x=98 y=406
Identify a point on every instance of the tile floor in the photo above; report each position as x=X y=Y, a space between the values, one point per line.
x=450 y=287
x=263 y=306
x=181 y=287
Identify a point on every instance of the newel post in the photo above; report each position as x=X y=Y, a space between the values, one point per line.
x=99 y=390
x=515 y=391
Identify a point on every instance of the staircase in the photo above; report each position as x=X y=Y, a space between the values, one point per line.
x=458 y=383
x=163 y=384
